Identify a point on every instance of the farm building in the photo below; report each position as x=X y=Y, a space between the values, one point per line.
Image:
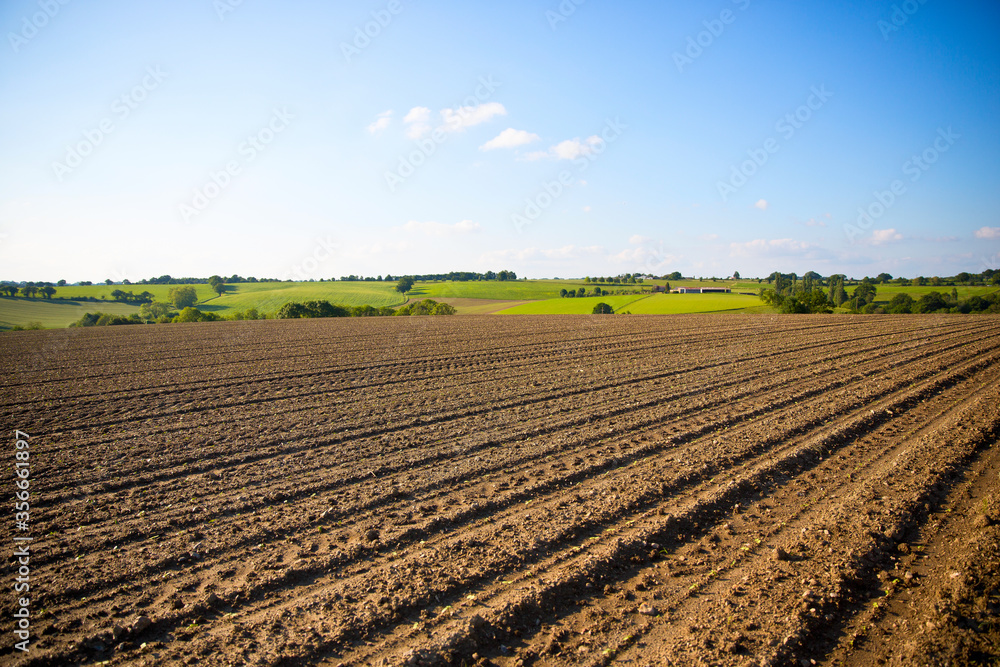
x=703 y=290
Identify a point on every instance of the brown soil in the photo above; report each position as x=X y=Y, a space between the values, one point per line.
x=726 y=490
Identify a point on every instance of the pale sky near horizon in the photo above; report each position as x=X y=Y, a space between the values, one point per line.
x=557 y=138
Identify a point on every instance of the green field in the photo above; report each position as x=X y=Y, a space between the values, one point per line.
x=508 y=290
x=478 y=297
x=656 y=304
x=884 y=293
x=269 y=297
x=53 y=314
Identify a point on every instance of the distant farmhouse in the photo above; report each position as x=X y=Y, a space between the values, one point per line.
x=704 y=290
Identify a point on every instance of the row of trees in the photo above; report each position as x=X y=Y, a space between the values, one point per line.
x=627 y=279
x=317 y=309
x=935 y=302
x=987 y=277
x=189 y=314
x=128 y=297
x=569 y=294
x=28 y=291
x=454 y=276
x=791 y=295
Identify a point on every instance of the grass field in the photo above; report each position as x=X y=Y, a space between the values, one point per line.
x=657 y=304
x=516 y=290
x=269 y=297
x=53 y=314
x=885 y=293
x=481 y=297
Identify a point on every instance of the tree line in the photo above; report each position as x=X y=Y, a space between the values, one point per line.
x=791 y=295
x=315 y=309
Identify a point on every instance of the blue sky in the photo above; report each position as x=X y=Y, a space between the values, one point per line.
x=316 y=139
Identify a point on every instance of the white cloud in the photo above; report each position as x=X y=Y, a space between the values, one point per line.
x=417 y=119
x=762 y=205
x=441 y=229
x=456 y=120
x=813 y=222
x=773 y=247
x=381 y=122
x=880 y=236
x=510 y=138
x=647 y=257
x=417 y=115
x=570 y=149
x=565 y=253
x=587 y=209
x=708 y=237
x=988 y=233
x=638 y=239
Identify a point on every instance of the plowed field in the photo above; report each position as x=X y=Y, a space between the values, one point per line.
x=536 y=490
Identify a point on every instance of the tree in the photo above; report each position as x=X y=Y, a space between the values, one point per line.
x=218 y=284
x=183 y=297
x=603 y=309
x=61 y=283
x=864 y=294
x=11 y=290
x=676 y=275
x=883 y=278
x=736 y=274
x=443 y=309
x=47 y=291
x=291 y=311
x=900 y=304
x=29 y=291
x=963 y=278
x=931 y=303
x=154 y=310
x=562 y=293
x=189 y=314
x=404 y=284
x=109 y=281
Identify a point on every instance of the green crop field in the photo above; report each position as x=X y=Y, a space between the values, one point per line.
x=657 y=304
x=477 y=297
x=53 y=314
x=269 y=297
x=507 y=290
x=159 y=292
x=884 y=293
x=676 y=304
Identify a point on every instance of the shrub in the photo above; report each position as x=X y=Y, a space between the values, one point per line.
x=901 y=304
x=603 y=309
x=443 y=309
x=183 y=297
x=931 y=303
